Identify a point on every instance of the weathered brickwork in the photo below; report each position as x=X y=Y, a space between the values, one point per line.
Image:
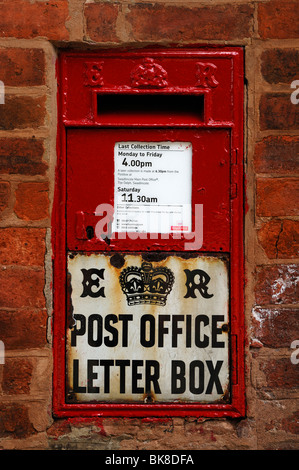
x=31 y=34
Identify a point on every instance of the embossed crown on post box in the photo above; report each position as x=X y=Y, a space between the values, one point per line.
x=146 y=285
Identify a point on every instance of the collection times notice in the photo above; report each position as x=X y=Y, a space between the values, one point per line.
x=152 y=187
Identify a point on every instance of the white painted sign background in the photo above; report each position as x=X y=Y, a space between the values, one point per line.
x=192 y=365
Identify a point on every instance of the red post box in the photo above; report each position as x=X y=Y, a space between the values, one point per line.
x=148 y=234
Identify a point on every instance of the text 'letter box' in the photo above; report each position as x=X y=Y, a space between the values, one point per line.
x=148 y=234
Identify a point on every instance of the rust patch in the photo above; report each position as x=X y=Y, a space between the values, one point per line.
x=149 y=397
x=117 y=260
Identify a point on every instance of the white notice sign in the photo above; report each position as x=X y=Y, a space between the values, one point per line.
x=152 y=187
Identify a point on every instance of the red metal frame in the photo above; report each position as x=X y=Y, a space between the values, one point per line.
x=229 y=117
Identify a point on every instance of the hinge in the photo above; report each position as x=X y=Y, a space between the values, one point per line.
x=234 y=359
x=234 y=173
x=234 y=156
x=233 y=190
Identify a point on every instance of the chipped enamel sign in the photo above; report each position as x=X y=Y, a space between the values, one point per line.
x=147 y=331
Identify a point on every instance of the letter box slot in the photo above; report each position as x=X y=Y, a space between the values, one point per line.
x=148 y=234
x=150 y=109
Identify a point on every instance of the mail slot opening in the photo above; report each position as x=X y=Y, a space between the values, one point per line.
x=150 y=108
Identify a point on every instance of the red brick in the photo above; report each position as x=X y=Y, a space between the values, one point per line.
x=22 y=246
x=17 y=375
x=275 y=328
x=280 y=374
x=59 y=428
x=290 y=424
x=32 y=201
x=279 y=65
x=4 y=194
x=278 y=155
x=82 y=422
x=288 y=242
x=15 y=421
x=277 y=19
x=21 y=112
x=277 y=112
x=21 y=288
x=282 y=418
x=268 y=237
x=101 y=21
x=22 y=67
x=157 y=22
x=280 y=238
x=277 y=197
x=277 y=284
x=24 y=19
x=22 y=156
x=23 y=329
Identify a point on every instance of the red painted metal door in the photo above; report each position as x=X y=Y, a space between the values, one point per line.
x=90 y=182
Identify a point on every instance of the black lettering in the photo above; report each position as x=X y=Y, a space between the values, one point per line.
x=201 y=343
x=188 y=331
x=214 y=379
x=201 y=286
x=178 y=374
x=147 y=343
x=192 y=369
x=125 y=319
x=136 y=376
x=111 y=342
x=97 y=332
x=152 y=377
x=122 y=363
x=162 y=329
x=91 y=376
x=175 y=329
x=88 y=282
x=107 y=363
x=216 y=331
x=78 y=331
x=76 y=387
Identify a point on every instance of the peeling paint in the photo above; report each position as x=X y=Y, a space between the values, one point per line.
x=283 y=283
x=261 y=314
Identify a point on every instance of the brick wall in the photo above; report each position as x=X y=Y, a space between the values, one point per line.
x=31 y=34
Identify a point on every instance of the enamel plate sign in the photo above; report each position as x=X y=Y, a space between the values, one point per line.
x=147 y=330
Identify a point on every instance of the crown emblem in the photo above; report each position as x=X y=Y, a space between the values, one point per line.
x=146 y=285
x=149 y=74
